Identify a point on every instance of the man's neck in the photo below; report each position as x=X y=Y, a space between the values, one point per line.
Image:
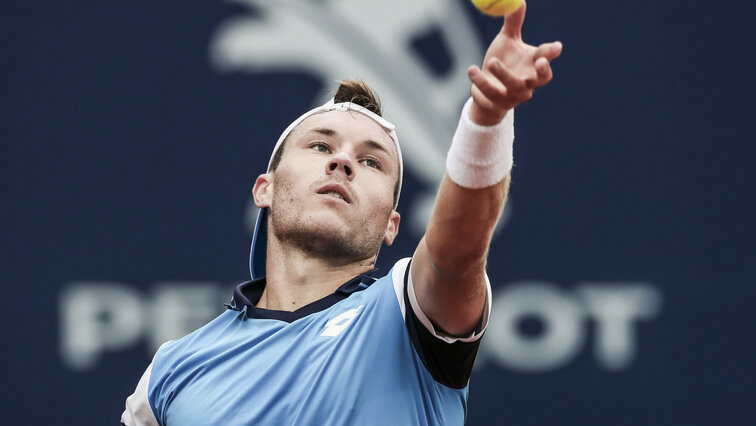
x=295 y=279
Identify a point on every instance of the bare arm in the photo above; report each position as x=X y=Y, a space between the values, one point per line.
x=448 y=268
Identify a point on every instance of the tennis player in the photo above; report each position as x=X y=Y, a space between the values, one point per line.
x=319 y=337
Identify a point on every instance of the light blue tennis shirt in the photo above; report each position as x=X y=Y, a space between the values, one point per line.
x=364 y=355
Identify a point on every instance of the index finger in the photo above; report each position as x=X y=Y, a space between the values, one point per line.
x=513 y=23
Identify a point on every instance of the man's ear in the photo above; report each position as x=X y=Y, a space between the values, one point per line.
x=262 y=192
x=392 y=228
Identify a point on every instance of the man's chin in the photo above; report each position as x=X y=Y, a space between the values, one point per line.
x=330 y=241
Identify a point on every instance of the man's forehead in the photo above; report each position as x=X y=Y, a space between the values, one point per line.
x=346 y=124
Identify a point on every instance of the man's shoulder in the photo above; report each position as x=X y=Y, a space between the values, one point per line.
x=198 y=338
x=398 y=271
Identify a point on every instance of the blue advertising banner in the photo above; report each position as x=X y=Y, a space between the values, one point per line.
x=623 y=268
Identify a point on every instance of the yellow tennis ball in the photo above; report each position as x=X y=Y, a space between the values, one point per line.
x=497 y=7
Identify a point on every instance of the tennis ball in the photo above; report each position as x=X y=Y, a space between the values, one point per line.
x=497 y=7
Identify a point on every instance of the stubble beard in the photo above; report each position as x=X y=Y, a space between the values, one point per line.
x=336 y=244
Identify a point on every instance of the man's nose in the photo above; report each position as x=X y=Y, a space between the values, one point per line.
x=340 y=162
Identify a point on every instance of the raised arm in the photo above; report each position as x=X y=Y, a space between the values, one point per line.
x=448 y=268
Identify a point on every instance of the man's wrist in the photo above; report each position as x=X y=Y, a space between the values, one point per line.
x=485 y=117
x=480 y=155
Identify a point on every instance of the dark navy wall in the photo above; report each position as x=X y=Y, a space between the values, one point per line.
x=127 y=158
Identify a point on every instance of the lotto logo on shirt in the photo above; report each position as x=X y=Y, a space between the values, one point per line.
x=339 y=323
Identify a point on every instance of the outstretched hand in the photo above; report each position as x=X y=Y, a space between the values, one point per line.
x=511 y=71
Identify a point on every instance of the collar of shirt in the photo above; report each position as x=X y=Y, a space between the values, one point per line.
x=248 y=293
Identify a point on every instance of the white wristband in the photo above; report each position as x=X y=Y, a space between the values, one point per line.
x=480 y=156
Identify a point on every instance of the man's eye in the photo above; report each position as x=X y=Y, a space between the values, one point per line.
x=320 y=146
x=372 y=162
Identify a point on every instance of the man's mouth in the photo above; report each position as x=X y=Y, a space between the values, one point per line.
x=335 y=194
x=336 y=191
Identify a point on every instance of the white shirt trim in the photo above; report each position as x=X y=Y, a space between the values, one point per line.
x=397 y=278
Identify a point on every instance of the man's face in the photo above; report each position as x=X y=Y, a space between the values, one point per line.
x=332 y=193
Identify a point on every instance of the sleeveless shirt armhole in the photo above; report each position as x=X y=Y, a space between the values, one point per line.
x=449 y=359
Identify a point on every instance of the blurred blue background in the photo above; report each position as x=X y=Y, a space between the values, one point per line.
x=624 y=267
